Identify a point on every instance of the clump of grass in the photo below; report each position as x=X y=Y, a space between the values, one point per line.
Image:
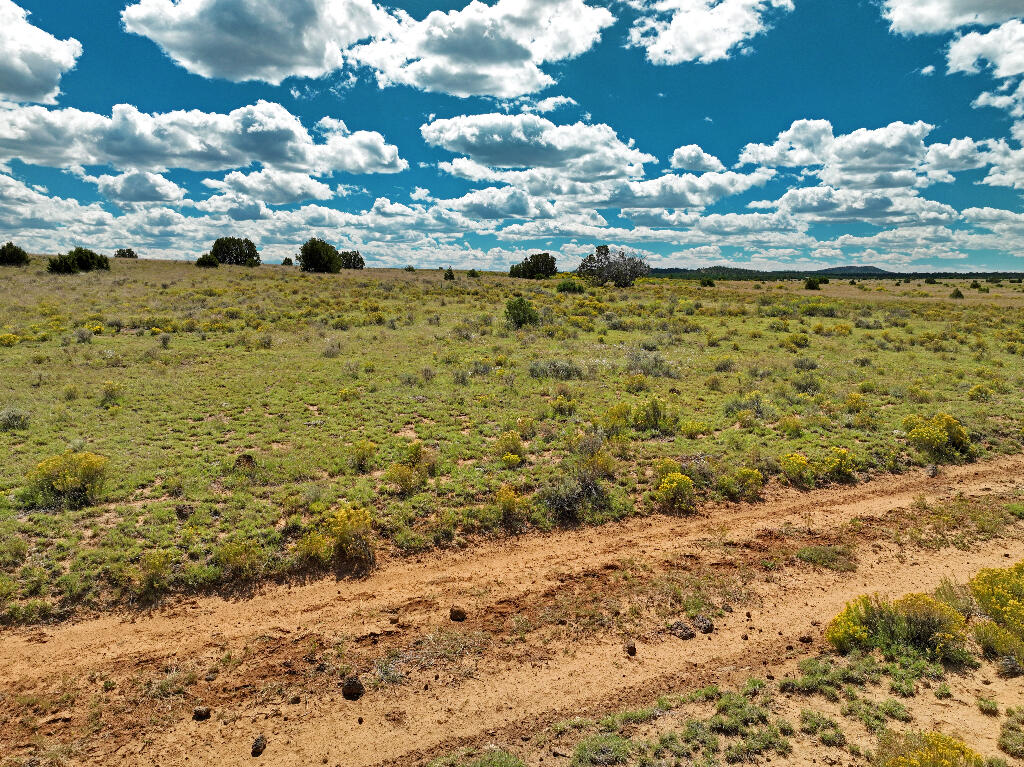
x=602 y=751
x=824 y=727
x=840 y=557
x=988 y=706
x=1011 y=734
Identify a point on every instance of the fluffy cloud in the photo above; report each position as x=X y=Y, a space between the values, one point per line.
x=1002 y=47
x=827 y=204
x=484 y=50
x=264 y=40
x=579 y=151
x=934 y=16
x=274 y=187
x=891 y=157
x=805 y=142
x=692 y=157
x=32 y=61
x=129 y=139
x=674 y=31
x=685 y=191
x=138 y=187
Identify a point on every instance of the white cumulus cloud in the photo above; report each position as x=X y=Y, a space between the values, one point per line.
x=675 y=31
x=32 y=60
x=935 y=16
x=692 y=157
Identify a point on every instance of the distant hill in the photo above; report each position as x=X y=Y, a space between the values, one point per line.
x=724 y=272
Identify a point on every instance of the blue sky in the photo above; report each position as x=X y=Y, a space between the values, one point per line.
x=763 y=133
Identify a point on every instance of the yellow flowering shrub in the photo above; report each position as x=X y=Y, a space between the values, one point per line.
x=916 y=621
x=511 y=460
x=72 y=480
x=924 y=749
x=940 y=437
x=349 y=530
x=9 y=339
x=1000 y=594
x=797 y=469
x=838 y=464
x=675 y=494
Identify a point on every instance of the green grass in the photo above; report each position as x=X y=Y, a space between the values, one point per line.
x=330 y=381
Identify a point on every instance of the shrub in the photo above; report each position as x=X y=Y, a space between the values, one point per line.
x=207 y=261
x=9 y=339
x=315 y=255
x=14 y=419
x=838 y=465
x=77 y=260
x=125 y=253
x=538 y=266
x=924 y=749
x=71 y=480
x=797 y=470
x=235 y=251
x=957 y=293
x=12 y=255
x=509 y=442
x=1001 y=645
x=449 y=275
x=351 y=259
x=1011 y=734
x=519 y=312
x=570 y=285
x=675 y=494
x=286 y=261
x=652 y=415
x=508 y=502
x=812 y=283
x=942 y=437
x=979 y=393
x=349 y=532
x=999 y=593
x=838 y=558
x=241 y=560
x=744 y=484
x=916 y=622
x=601 y=267
x=563 y=370
x=404 y=480
x=362 y=455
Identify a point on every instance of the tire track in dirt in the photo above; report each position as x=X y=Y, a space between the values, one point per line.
x=401 y=725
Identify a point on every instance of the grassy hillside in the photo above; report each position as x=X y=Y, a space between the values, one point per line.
x=264 y=423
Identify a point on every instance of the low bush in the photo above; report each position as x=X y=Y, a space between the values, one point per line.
x=125 y=253
x=743 y=484
x=519 y=312
x=1011 y=734
x=942 y=437
x=570 y=285
x=12 y=255
x=675 y=494
x=562 y=370
x=207 y=261
x=14 y=419
x=797 y=470
x=316 y=255
x=652 y=415
x=1000 y=645
x=924 y=749
x=77 y=260
x=71 y=480
x=999 y=593
x=916 y=622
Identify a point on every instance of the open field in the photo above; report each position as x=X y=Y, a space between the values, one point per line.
x=240 y=409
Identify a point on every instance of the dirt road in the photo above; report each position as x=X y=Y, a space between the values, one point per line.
x=524 y=657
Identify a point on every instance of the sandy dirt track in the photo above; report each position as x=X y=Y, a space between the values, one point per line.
x=505 y=690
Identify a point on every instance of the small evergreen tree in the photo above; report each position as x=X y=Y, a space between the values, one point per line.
x=286 y=261
x=449 y=275
x=350 y=259
x=538 y=266
x=207 y=261
x=77 y=260
x=12 y=255
x=315 y=255
x=236 y=251
x=520 y=312
x=125 y=253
